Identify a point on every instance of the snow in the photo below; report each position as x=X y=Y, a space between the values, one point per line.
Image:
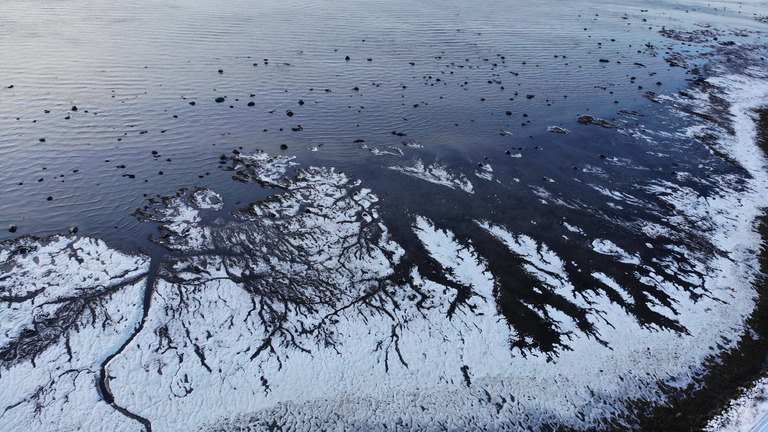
x=86 y=301
x=746 y=413
x=437 y=174
x=303 y=311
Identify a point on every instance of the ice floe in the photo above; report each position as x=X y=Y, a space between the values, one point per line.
x=437 y=174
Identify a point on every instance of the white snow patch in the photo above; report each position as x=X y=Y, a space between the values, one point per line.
x=437 y=174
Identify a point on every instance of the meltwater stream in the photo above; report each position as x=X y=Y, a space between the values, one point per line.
x=409 y=215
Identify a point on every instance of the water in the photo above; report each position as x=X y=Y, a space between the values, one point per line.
x=104 y=105
x=134 y=67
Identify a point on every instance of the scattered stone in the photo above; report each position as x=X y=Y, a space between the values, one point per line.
x=283 y=147
x=289 y=113
x=250 y=104
x=74 y=108
x=42 y=140
x=12 y=228
x=219 y=99
x=192 y=103
x=301 y=102
x=73 y=230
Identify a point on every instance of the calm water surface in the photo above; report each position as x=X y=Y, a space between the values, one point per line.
x=444 y=74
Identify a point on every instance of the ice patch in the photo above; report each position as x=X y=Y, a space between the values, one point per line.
x=437 y=174
x=606 y=247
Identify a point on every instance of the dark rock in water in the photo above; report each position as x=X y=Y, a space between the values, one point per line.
x=74 y=108
x=42 y=139
x=192 y=103
x=283 y=147
x=219 y=99
x=301 y=102
x=602 y=156
x=297 y=128
x=530 y=96
x=221 y=71
x=73 y=230
x=589 y=120
x=359 y=140
x=509 y=113
x=50 y=198
x=604 y=61
x=12 y=228
x=251 y=104
x=289 y=113
x=347 y=58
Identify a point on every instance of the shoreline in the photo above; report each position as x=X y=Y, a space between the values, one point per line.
x=731 y=372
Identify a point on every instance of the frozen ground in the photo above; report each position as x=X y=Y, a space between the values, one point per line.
x=309 y=309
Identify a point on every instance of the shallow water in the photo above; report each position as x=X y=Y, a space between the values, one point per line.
x=442 y=110
x=130 y=69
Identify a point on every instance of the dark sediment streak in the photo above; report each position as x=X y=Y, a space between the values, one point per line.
x=731 y=371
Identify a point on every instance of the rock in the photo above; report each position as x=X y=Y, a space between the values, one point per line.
x=289 y=113
x=283 y=147
x=192 y=103
x=604 y=61
x=250 y=104
x=558 y=129
x=73 y=230
x=589 y=120
x=42 y=140
x=12 y=228
x=219 y=99
x=74 y=108
x=221 y=71
x=509 y=113
x=301 y=102
x=347 y=58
